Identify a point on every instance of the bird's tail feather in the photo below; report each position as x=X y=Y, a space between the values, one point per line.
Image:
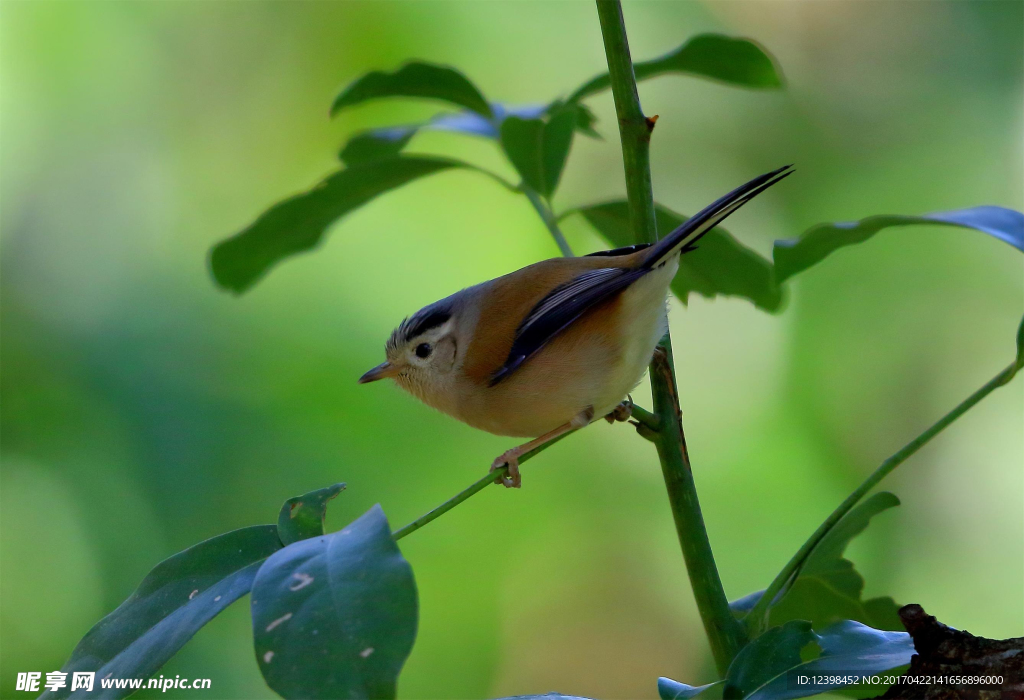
x=710 y=216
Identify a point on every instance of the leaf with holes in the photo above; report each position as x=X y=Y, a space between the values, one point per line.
x=415 y=79
x=726 y=59
x=795 y=255
x=298 y=223
x=335 y=616
x=173 y=602
x=302 y=517
x=721 y=265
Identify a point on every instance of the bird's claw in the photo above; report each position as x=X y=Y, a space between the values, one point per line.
x=513 y=479
x=622 y=412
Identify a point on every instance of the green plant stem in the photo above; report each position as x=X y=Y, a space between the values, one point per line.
x=548 y=217
x=725 y=634
x=476 y=487
x=757 y=618
x=644 y=417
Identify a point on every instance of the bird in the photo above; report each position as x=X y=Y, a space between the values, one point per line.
x=546 y=349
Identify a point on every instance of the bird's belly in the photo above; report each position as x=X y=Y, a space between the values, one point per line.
x=591 y=365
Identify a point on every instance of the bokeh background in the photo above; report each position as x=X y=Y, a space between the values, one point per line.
x=144 y=410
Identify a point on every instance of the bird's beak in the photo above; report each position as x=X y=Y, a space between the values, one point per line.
x=381 y=371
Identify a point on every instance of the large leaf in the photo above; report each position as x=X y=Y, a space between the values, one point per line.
x=415 y=79
x=539 y=147
x=173 y=602
x=735 y=61
x=847 y=648
x=797 y=254
x=669 y=689
x=302 y=517
x=768 y=657
x=335 y=616
x=827 y=587
x=721 y=265
x=298 y=223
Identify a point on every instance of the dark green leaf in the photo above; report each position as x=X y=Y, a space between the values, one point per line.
x=298 y=223
x=173 y=602
x=735 y=61
x=768 y=657
x=1020 y=344
x=415 y=79
x=335 y=616
x=797 y=254
x=827 y=587
x=545 y=696
x=376 y=144
x=302 y=517
x=538 y=148
x=721 y=265
x=669 y=689
x=846 y=648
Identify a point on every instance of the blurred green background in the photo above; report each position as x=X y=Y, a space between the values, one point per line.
x=144 y=410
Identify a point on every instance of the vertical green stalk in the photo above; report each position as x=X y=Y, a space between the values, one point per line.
x=726 y=635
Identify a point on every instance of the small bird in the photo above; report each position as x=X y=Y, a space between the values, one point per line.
x=548 y=348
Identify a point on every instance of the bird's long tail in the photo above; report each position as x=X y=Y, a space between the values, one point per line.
x=683 y=238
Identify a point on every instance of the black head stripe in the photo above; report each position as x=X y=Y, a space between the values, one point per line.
x=419 y=323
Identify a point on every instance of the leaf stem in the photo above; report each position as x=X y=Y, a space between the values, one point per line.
x=757 y=619
x=548 y=217
x=474 y=488
x=725 y=634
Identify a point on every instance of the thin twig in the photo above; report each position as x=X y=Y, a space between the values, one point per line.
x=757 y=618
x=549 y=220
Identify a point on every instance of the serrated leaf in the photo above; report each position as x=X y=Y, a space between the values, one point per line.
x=539 y=147
x=721 y=265
x=178 y=597
x=669 y=689
x=415 y=79
x=298 y=223
x=769 y=656
x=818 y=242
x=847 y=648
x=302 y=517
x=727 y=59
x=335 y=616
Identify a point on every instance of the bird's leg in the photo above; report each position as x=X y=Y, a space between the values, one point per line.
x=622 y=412
x=514 y=479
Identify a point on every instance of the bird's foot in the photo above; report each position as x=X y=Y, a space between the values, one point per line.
x=622 y=412
x=513 y=479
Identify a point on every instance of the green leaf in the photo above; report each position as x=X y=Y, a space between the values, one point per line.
x=847 y=648
x=739 y=62
x=721 y=265
x=1020 y=344
x=768 y=657
x=415 y=79
x=335 y=616
x=178 y=597
x=298 y=223
x=669 y=689
x=538 y=148
x=377 y=144
x=827 y=587
x=545 y=696
x=302 y=517
x=817 y=243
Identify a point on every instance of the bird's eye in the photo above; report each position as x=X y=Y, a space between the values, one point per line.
x=423 y=350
